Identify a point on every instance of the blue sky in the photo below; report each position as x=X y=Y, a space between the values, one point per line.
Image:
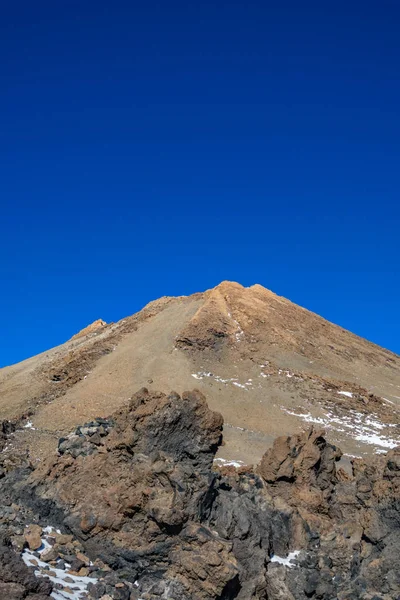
x=153 y=149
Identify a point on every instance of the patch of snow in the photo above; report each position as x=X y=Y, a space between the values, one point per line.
x=219 y=379
x=201 y=375
x=386 y=400
x=229 y=463
x=348 y=394
x=50 y=529
x=376 y=424
x=305 y=417
x=78 y=585
x=240 y=385
x=376 y=440
x=287 y=562
x=366 y=429
x=239 y=332
x=29 y=425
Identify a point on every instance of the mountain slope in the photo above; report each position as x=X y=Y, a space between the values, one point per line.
x=269 y=366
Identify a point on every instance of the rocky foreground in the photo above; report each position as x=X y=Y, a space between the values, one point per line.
x=132 y=507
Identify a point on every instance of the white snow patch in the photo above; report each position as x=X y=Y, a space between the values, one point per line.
x=29 y=425
x=287 y=562
x=240 y=385
x=376 y=440
x=305 y=417
x=366 y=429
x=201 y=375
x=49 y=529
x=239 y=332
x=78 y=586
x=219 y=379
x=229 y=463
x=376 y=424
x=348 y=394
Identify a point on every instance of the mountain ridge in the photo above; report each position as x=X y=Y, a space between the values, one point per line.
x=268 y=365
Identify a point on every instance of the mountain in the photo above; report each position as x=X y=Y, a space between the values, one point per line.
x=110 y=492
x=269 y=366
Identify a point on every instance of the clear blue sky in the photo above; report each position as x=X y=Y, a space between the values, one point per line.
x=157 y=148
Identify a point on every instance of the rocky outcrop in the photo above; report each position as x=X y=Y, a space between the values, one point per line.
x=139 y=494
x=353 y=521
x=17 y=582
x=98 y=324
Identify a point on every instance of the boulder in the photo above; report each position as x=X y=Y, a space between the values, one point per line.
x=157 y=520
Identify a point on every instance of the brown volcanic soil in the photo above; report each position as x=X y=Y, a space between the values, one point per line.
x=269 y=366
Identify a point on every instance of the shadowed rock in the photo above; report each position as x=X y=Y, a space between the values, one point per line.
x=17 y=582
x=147 y=502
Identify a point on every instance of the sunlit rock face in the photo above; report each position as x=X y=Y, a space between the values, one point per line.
x=136 y=506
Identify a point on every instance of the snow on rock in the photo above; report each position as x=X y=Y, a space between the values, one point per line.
x=201 y=375
x=240 y=385
x=287 y=562
x=306 y=417
x=219 y=379
x=66 y=585
x=50 y=529
x=377 y=440
x=239 y=331
x=229 y=463
x=367 y=429
x=348 y=394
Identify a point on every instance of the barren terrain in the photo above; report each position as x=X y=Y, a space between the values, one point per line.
x=269 y=366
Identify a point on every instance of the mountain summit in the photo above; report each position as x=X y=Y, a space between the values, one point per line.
x=269 y=366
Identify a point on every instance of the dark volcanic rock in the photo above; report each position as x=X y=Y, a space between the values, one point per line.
x=17 y=582
x=147 y=506
x=86 y=439
x=140 y=501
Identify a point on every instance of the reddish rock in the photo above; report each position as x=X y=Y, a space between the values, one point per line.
x=33 y=536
